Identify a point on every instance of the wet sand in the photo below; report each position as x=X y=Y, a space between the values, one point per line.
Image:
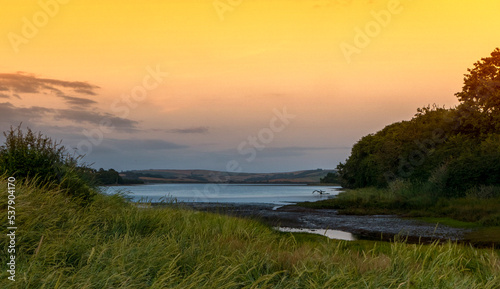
x=378 y=227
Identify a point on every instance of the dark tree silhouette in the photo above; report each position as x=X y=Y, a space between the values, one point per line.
x=481 y=89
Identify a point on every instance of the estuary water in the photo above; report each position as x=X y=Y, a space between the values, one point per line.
x=225 y=193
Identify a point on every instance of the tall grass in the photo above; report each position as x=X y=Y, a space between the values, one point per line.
x=481 y=205
x=114 y=244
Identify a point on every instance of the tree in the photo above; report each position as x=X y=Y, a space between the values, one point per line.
x=330 y=178
x=109 y=177
x=480 y=95
x=454 y=149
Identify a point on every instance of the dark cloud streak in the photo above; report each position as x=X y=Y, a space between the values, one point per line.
x=78 y=101
x=22 y=82
x=95 y=118
x=10 y=113
x=201 y=129
x=27 y=83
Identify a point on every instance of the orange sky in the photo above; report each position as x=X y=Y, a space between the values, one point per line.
x=230 y=64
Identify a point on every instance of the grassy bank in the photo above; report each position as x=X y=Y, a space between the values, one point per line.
x=113 y=244
x=411 y=202
x=474 y=211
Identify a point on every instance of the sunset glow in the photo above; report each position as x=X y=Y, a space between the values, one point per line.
x=186 y=83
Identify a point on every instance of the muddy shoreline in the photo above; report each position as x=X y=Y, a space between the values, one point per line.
x=377 y=227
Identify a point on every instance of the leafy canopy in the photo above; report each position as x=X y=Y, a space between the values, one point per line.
x=481 y=89
x=450 y=151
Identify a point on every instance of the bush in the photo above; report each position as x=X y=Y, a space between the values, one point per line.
x=33 y=156
x=484 y=192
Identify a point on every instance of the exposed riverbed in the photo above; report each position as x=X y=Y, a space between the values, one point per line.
x=376 y=227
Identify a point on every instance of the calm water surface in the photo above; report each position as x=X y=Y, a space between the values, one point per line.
x=225 y=193
x=332 y=234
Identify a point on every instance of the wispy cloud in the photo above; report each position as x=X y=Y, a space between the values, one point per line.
x=86 y=91
x=11 y=114
x=293 y=151
x=78 y=101
x=21 y=82
x=28 y=83
x=95 y=118
x=200 y=129
x=142 y=144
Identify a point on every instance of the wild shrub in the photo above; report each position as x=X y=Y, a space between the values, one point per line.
x=484 y=192
x=33 y=156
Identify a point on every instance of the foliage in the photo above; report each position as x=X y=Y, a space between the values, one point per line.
x=330 y=178
x=481 y=90
x=112 y=177
x=36 y=157
x=30 y=155
x=114 y=244
x=452 y=150
x=108 y=177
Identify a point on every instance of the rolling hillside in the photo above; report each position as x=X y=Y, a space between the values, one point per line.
x=207 y=176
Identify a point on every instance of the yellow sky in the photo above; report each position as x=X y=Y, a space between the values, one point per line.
x=231 y=62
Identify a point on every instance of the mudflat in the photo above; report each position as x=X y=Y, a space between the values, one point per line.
x=373 y=227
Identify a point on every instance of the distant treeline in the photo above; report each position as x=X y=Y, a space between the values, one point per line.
x=112 y=177
x=451 y=151
x=330 y=178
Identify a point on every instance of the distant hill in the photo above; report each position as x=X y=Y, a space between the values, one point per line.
x=207 y=176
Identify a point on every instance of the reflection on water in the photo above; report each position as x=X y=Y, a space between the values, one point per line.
x=332 y=234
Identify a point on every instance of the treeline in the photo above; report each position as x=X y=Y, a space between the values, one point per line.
x=450 y=152
x=330 y=178
x=112 y=177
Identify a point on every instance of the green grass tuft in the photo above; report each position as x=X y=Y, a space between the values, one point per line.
x=449 y=222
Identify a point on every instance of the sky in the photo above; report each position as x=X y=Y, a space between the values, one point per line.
x=231 y=85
